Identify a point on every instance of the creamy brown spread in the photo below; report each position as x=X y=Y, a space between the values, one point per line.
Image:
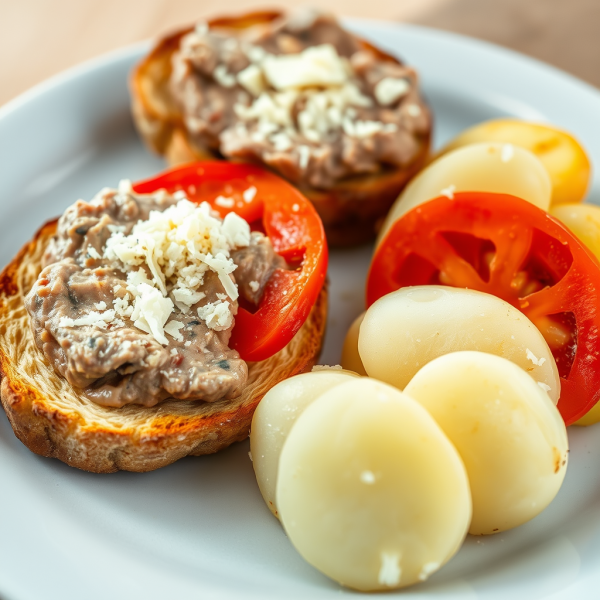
x=115 y=363
x=367 y=117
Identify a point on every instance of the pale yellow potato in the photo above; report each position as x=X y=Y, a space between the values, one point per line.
x=584 y=221
x=350 y=356
x=506 y=429
x=406 y=329
x=561 y=154
x=274 y=417
x=500 y=168
x=370 y=490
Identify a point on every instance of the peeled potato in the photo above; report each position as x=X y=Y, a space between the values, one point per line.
x=370 y=490
x=486 y=167
x=274 y=417
x=561 y=154
x=350 y=356
x=584 y=221
x=406 y=329
x=506 y=429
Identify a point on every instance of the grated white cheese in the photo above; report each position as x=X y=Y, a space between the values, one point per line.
x=249 y=194
x=224 y=202
x=100 y=305
x=254 y=285
x=177 y=246
x=414 y=110
x=93 y=252
x=448 y=192
x=390 y=571
x=428 y=569
x=532 y=357
x=95 y=318
x=304 y=153
x=223 y=77
x=545 y=387
x=390 y=89
x=217 y=315
x=172 y=328
x=315 y=66
x=252 y=79
x=318 y=76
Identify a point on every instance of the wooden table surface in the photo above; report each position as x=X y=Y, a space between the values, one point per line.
x=39 y=38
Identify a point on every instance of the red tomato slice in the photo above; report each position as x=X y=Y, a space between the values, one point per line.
x=507 y=247
x=296 y=233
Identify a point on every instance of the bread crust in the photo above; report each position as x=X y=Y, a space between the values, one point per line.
x=52 y=419
x=351 y=211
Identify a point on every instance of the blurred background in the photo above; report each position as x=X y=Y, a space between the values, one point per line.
x=39 y=38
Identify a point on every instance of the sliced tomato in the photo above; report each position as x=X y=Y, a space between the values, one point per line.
x=271 y=205
x=505 y=246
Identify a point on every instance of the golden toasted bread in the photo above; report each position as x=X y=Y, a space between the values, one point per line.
x=350 y=211
x=53 y=419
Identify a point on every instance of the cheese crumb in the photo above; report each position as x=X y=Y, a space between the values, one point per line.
x=249 y=194
x=367 y=477
x=217 y=315
x=223 y=77
x=94 y=318
x=544 y=386
x=390 y=90
x=224 y=202
x=254 y=285
x=172 y=328
x=304 y=153
x=315 y=66
x=93 y=252
x=390 y=571
x=531 y=356
x=252 y=79
x=428 y=569
x=100 y=305
x=414 y=110
x=448 y=192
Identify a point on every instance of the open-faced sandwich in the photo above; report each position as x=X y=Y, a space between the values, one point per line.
x=142 y=327
x=340 y=119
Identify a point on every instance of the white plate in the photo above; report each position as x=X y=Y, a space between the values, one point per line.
x=199 y=528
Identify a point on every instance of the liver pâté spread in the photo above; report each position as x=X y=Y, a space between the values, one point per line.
x=138 y=295
x=301 y=95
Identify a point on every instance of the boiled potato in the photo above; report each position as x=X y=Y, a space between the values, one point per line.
x=406 y=329
x=274 y=417
x=370 y=490
x=350 y=356
x=506 y=429
x=584 y=221
x=561 y=154
x=500 y=168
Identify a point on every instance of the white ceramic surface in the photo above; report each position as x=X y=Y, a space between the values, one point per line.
x=199 y=528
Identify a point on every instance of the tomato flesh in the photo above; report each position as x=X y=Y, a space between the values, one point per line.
x=505 y=246
x=271 y=205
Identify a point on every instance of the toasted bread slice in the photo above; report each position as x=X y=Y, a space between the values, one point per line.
x=350 y=211
x=53 y=419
